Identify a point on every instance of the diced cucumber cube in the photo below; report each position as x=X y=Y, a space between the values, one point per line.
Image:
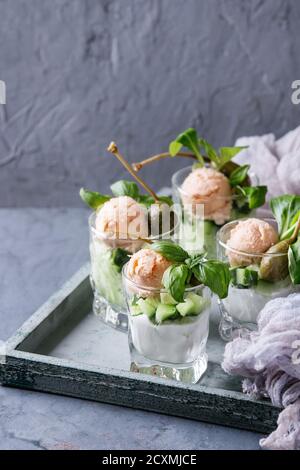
x=154 y=301
x=245 y=277
x=135 y=310
x=186 y=308
x=166 y=298
x=198 y=301
x=164 y=312
x=147 y=307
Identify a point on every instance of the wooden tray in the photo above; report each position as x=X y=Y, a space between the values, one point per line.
x=63 y=348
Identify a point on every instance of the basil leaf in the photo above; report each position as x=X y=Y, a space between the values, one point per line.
x=211 y=153
x=174 y=148
x=93 y=199
x=285 y=209
x=119 y=257
x=239 y=175
x=189 y=139
x=174 y=280
x=125 y=188
x=145 y=200
x=170 y=251
x=194 y=260
x=294 y=262
x=213 y=274
x=228 y=153
x=149 y=200
x=290 y=231
x=166 y=199
x=253 y=196
x=295 y=218
x=256 y=195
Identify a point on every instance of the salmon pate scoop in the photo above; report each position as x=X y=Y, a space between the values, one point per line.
x=122 y=222
x=146 y=268
x=251 y=236
x=122 y=217
x=209 y=187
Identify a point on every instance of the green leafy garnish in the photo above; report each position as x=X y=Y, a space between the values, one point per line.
x=239 y=175
x=119 y=258
x=131 y=189
x=121 y=188
x=196 y=144
x=210 y=151
x=294 y=262
x=170 y=251
x=227 y=154
x=251 y=196
x=174 y=280
x=286 y=210
x=93 y=199
x=188 y=139
x=148 y=200
x=125 y=188
x=212 y=273
x=175 y=147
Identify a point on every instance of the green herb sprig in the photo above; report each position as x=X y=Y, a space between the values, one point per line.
x=190 y=140
x=286 y=210
x=248 y=197
x=120 y=188
x=212 y=273
x=197 y=145
x=93 y=199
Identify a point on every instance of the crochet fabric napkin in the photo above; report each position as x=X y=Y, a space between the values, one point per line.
x=275 y=162
x=269 y=359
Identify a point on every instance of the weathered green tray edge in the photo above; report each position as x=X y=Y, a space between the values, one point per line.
x=48 y=374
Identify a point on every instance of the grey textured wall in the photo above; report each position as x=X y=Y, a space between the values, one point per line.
x=80 y=73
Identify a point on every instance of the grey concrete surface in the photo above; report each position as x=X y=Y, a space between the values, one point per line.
x=80 y=73
x=39 y=250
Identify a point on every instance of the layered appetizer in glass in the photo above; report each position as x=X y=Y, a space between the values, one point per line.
x=121 y=224
x=224 y=189
x=264 y=260
x=168 y=295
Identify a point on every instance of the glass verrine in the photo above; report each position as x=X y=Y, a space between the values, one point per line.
x=107 y=255
x=167 y=338
x=248 y=292
x=201 y=217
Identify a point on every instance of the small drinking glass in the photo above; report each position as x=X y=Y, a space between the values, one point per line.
x=167 y=338
x=248 y=293
x=106 y=276
x=198 y=229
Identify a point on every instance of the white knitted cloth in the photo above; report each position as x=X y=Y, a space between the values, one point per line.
x=276 y=162
x=269 y=359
